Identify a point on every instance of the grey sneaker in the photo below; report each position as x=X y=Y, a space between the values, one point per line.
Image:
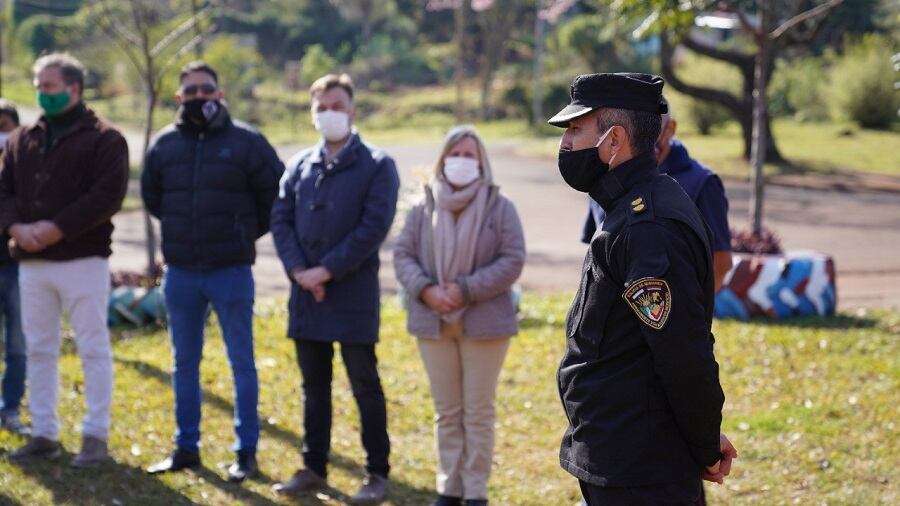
x=93 y=453
x=37 y=447
x=373 y=490
x=14 y=424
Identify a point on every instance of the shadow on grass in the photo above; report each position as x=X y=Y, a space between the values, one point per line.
x=240 y=494
x=836 y=322
x=217 y=401
x=110 y=483
x=6 y=500
x=530 y=322
x=409 y=494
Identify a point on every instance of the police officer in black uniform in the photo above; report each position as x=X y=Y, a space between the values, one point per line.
x=639 y=381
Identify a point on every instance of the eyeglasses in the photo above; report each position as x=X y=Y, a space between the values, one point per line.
x=192 y=89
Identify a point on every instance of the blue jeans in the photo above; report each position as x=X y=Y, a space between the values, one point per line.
x=188 y=295
x=11 y=321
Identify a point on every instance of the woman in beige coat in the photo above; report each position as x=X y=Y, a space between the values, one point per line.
x=459 y=253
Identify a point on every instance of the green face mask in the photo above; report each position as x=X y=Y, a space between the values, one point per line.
x=53 y=104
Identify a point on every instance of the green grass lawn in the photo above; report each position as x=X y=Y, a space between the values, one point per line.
x=812 y=406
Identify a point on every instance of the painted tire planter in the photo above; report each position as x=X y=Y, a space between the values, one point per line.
x=797 y=283
x=136 y=306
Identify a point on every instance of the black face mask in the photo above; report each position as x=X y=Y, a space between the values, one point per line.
x=582 y=169
x=197 y=113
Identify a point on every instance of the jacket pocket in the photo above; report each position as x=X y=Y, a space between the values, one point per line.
x=576 y=310
x=600 y=296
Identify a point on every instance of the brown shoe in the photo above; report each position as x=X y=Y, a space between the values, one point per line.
x=304 y=480
x=374 y=490
x=93 y=453
x=37 y=447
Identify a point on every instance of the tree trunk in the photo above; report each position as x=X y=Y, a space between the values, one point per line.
x=460 y=18
x=496 y=25
x=1 y=64
x=487 y=77
x=740 y=107
x=198 y=49
x=759 y=145
x=537 y=100
x=773 y=154
x=148 y=131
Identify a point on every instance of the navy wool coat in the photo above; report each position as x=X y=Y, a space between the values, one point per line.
x=336 y=214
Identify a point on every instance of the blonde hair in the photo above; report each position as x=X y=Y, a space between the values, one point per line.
x=330 y=81
x=454 y=136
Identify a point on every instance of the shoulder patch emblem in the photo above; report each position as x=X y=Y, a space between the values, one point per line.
x=651 y=300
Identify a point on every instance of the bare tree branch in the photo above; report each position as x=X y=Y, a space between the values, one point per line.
x=126 y=41
x=180 y=30
x=733 y=57
x=803 y=16
x=746 y=23
x=723 y=98
x=118 y=30
x=187 y=47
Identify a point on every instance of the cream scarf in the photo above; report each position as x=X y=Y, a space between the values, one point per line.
x=454 y=239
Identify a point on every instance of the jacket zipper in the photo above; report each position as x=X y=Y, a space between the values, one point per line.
x=198 y=157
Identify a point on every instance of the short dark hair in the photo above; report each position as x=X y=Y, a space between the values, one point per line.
x=198 y=66
x=642 y=127
x=72 y=70
x=9 y=109
x=330 y=81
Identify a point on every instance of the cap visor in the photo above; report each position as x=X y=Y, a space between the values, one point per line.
x=569 y=113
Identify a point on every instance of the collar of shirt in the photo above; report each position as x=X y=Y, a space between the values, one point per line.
x=619 y=181
x=333 y=160
x=678 y=159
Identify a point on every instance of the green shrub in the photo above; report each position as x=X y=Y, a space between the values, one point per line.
x=517 y=98
x=385 y=63
x=798 y=89
x=697 y=70
x=316 y=63
x=37 y=33
x=706 y=115
x=862 y=83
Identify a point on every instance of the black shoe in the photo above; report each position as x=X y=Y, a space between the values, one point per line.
x=180 y=459
x=446 y=500
x=476 y=502
x=244 y=468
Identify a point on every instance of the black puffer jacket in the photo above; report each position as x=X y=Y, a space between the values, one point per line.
x=212 y=192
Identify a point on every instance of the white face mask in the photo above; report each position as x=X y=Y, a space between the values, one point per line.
x=3 y=137
x=333 y=125
x=461 y=171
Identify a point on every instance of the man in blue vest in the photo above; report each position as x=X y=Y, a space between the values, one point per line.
x=701 y=184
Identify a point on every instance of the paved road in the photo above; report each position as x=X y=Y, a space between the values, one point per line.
x=860 y=230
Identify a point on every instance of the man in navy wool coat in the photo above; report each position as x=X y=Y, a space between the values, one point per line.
x=334 y=209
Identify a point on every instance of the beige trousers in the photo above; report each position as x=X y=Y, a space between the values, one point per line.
x=463 y=376
x=80 y=288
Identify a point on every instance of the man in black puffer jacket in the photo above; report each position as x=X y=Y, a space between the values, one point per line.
x=211 y=182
